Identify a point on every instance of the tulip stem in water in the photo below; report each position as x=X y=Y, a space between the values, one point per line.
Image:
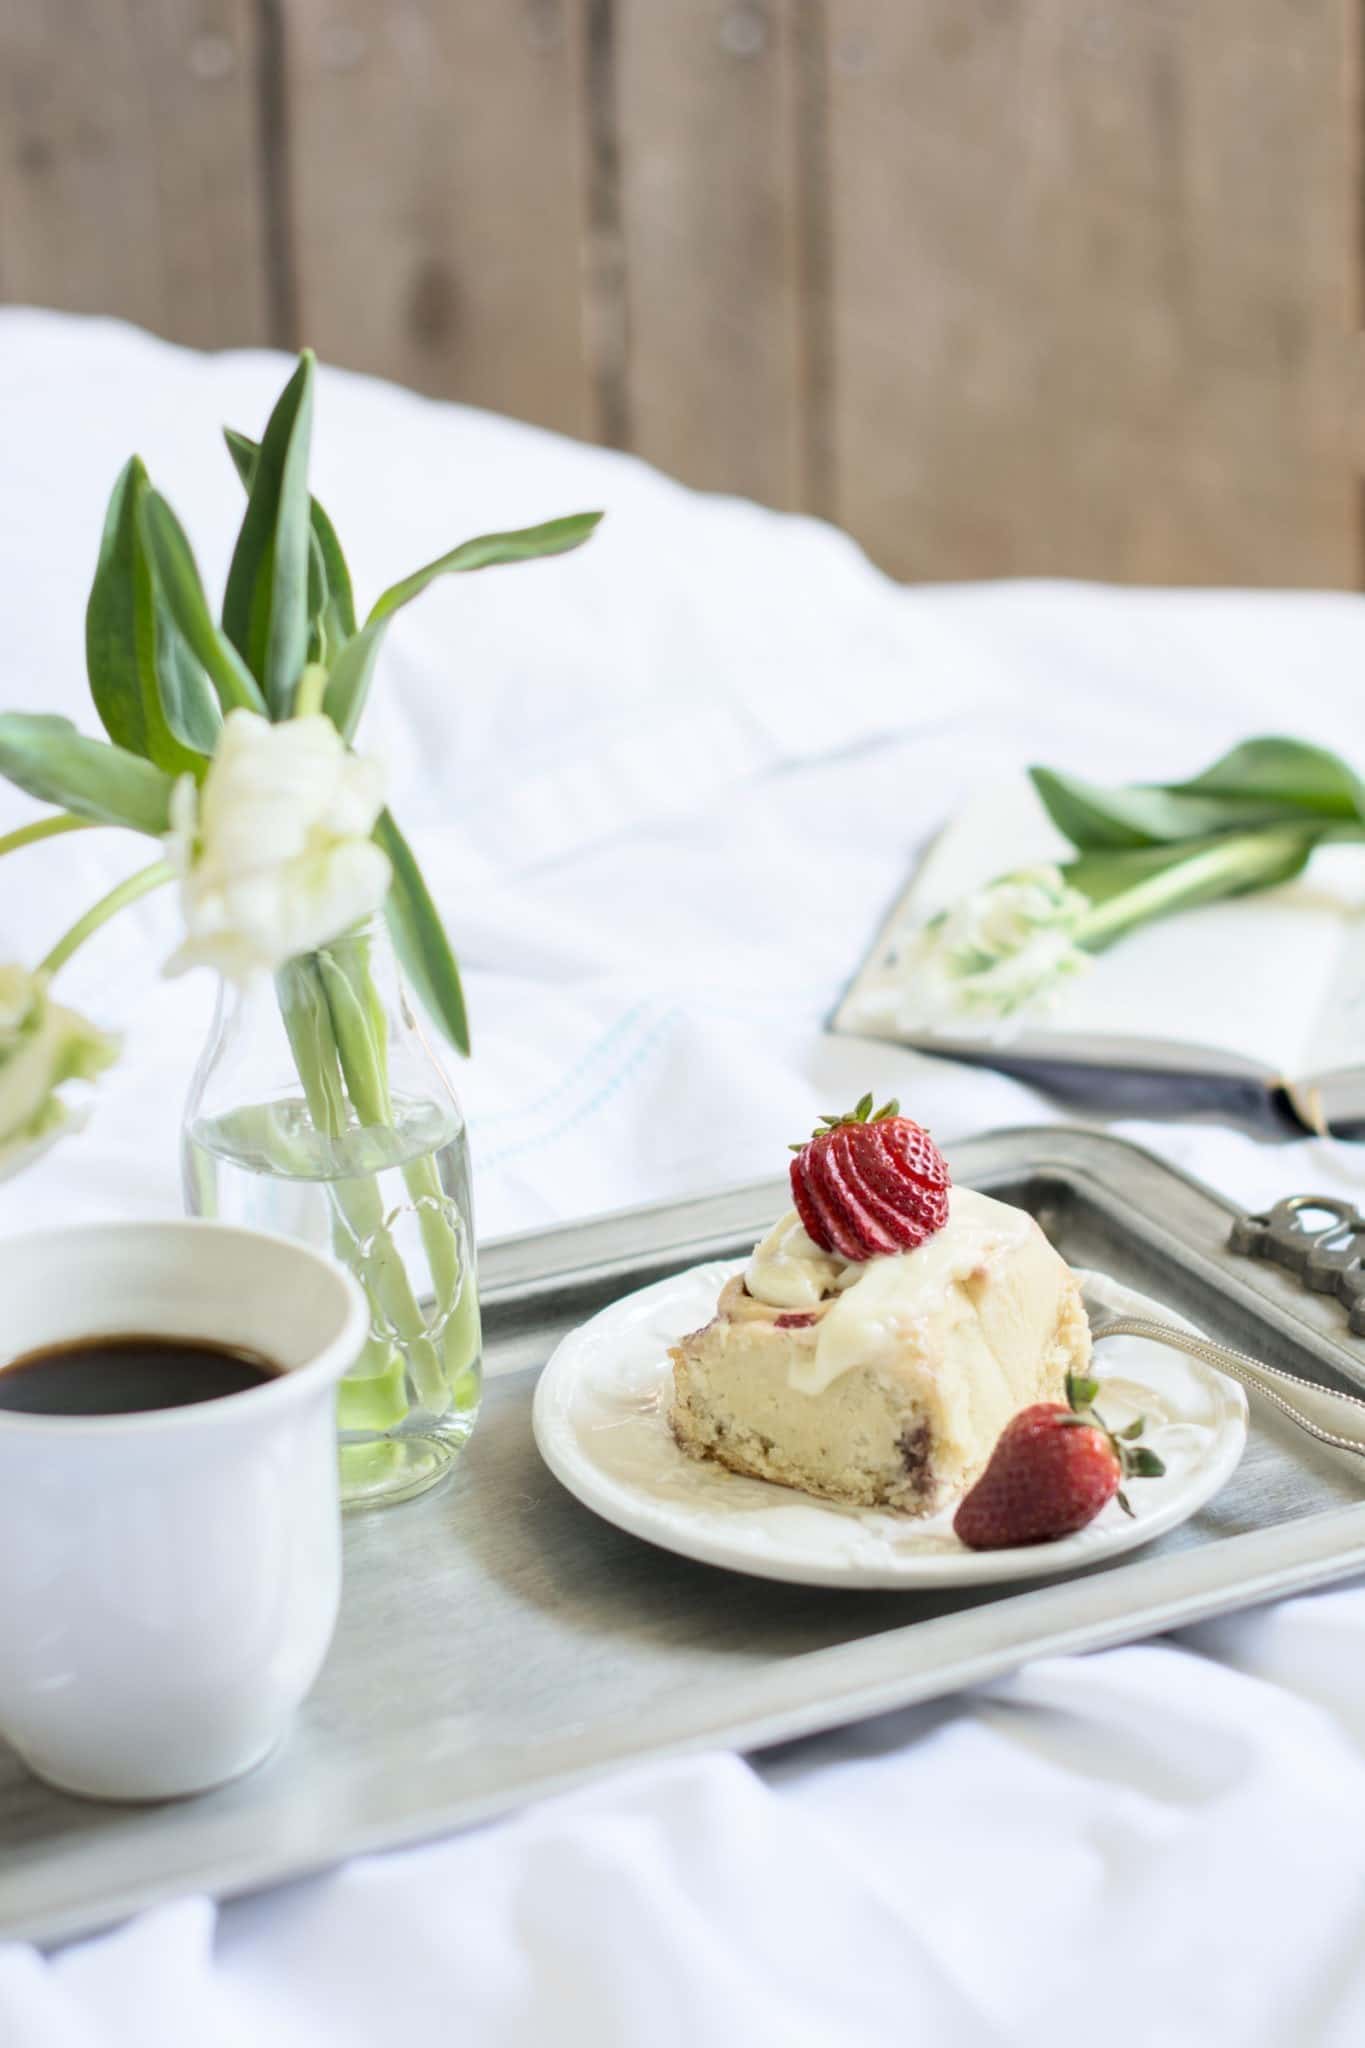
x=140 y=884
x=336 y=1031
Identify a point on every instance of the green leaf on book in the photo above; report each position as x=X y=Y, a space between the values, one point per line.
x=1108 y=820
x=1262 y=782
x=1282 y=771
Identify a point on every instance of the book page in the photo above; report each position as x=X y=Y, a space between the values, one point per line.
x=1337 y=1043
x=1252 y=978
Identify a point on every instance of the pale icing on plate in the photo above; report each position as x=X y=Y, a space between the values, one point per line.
x=601 y=1423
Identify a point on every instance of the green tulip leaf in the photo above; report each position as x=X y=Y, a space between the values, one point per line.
x=187 y=696
x=489 y=550
x=1264 y=781
x=46 y=756
x=353 y=668
x=182 y=591
x=419 y=938
x=123 y=639
x=265 y=605
x=331 y=605
x=1282 y=771
x=334 y=567
x=1098 y=820
x=348 y=684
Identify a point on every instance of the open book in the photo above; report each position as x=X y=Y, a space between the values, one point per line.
x=1234 y=1006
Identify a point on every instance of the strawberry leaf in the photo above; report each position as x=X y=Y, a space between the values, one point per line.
x=861 y=1113
x=1080 y=1391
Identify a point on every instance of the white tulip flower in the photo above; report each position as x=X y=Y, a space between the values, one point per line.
x=42 y=1047
x=1005 y=948
x=274 y=854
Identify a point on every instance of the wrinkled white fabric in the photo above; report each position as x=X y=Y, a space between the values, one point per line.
x=663 y=790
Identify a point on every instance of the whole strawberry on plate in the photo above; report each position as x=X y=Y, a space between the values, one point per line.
x=1051 y=1472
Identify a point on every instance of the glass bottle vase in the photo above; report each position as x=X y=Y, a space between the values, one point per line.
x=319 y=1111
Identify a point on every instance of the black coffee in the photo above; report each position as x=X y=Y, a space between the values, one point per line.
x=127 y=1376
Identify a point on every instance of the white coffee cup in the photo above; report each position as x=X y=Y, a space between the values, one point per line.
x=169 y=1580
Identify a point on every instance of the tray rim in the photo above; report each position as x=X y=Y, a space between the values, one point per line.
x=802 y=1694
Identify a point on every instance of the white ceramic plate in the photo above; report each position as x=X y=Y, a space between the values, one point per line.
x=601 y=1422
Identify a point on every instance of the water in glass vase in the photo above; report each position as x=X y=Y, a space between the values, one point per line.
x=393 y=1204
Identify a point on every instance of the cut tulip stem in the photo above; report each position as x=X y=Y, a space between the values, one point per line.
x=140 y=884
x=312 y=687
x=1229 y=866
x=334 y=1023
x=44 y=828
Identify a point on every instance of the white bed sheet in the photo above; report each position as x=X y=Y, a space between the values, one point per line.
x=663 y=790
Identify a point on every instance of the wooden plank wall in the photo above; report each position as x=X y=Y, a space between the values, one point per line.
x=1007 y=287
x=132 y=166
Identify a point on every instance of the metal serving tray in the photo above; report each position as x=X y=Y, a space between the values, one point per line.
x=498 y=1641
